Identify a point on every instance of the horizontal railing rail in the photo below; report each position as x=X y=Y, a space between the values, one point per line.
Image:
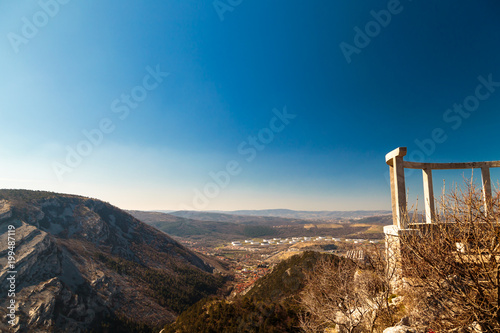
x=398 y=188
x=451 y=166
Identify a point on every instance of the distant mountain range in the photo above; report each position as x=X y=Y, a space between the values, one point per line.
x=209 y=227
x=233 y=218
x=223 y=216
x=308 y=215
x=85 y=265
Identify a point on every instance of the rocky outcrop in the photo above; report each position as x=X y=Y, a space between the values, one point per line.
x=5 y=210
x=400 y=329
x=72 y=261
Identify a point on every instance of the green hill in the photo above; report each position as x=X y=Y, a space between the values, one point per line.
x=197 y=229
x=271 y=306
x=287 y=277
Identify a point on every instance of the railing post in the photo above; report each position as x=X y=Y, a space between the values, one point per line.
x=428 y=195
x=486 y=180
x=398 y=188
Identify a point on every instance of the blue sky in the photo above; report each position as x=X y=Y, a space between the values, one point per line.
x=156 y=139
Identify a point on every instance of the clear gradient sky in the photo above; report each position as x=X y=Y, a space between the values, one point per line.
x=69 y=67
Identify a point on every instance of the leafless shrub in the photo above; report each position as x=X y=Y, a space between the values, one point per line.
x=352 y=296
x=453 y=264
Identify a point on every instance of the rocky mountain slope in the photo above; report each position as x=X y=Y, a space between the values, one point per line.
x=270 y=306
x=83 y=264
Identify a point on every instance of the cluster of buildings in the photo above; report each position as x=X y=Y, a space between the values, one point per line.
x=294 y=240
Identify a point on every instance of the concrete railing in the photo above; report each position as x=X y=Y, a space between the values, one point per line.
x=397 y=168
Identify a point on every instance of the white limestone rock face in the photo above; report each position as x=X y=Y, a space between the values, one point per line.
x=5 y=210
x=59 y=284
x=45 y=281
x=400 y=329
